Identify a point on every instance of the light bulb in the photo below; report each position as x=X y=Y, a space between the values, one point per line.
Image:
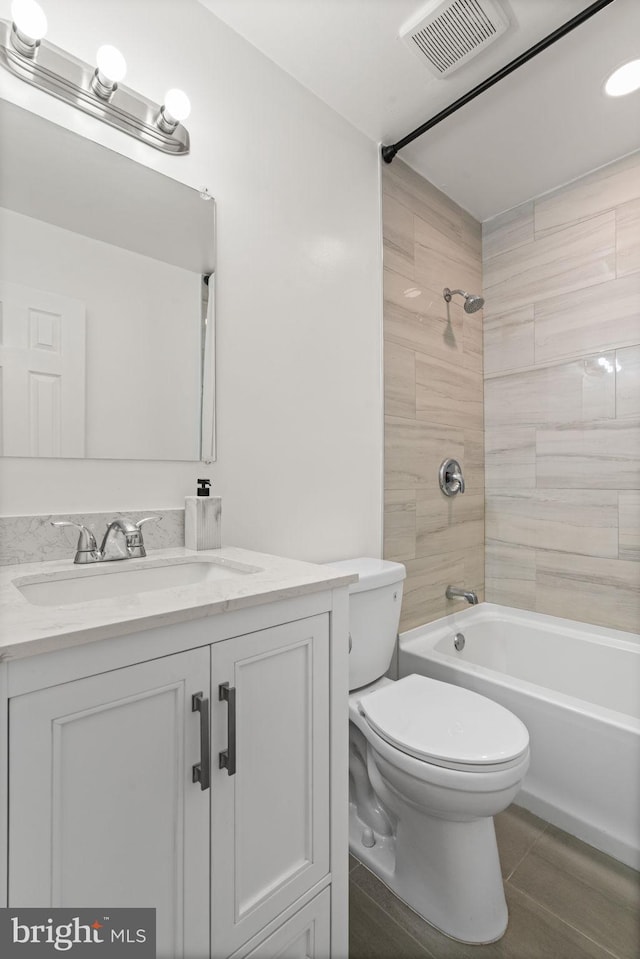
x=112 y=66
x=177 y=105
x=624 y=80
x=29 y=19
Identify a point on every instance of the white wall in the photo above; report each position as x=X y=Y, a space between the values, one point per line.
x=298 y=289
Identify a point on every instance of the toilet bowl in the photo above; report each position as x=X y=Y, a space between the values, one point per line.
x=430 y=764
x=425 y=827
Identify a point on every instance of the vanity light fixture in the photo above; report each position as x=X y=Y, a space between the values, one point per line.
x=96 y=89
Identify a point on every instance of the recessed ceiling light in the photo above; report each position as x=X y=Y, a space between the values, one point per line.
x=624 y=80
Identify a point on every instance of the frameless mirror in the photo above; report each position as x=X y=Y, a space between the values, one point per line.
x=106 y=300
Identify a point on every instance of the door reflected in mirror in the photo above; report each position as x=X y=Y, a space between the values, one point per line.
x=107 y=299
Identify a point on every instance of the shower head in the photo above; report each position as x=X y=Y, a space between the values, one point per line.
x=472 y=303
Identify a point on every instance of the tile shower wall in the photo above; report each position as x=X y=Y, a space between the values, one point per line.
x=433 y=393
x=562 y=400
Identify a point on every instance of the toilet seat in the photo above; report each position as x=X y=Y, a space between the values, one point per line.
x=445 y=725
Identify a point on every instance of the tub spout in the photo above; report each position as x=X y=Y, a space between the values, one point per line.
x=454 y=592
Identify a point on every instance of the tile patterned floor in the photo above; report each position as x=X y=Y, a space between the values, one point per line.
x=566 y=901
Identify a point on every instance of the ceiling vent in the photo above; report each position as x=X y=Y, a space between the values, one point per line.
x=452 y=32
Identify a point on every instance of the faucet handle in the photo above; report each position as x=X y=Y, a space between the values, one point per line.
x=135 y=544
x=147 y=519
x=86 y=540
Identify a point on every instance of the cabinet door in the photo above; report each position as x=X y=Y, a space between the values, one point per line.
x=103 y=809
x=270 y=818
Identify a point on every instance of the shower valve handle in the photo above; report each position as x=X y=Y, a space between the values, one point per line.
x=451 y=478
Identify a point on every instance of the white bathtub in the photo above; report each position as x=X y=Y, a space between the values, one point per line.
x=576 y=687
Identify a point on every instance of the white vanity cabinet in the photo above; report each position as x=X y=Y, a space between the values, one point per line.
x=104 y=809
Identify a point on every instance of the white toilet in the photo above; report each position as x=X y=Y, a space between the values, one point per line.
x=430 y=764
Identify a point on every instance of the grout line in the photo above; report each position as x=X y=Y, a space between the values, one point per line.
x=526 y=852
x=388 y=915
x=569 y=925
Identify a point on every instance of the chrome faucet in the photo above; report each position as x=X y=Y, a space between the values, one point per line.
x=454 y=592
x=122 y=540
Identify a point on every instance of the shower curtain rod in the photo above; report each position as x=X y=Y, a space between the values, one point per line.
x=389 y=151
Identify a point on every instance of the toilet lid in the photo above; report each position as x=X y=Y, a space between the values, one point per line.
x=444 y=724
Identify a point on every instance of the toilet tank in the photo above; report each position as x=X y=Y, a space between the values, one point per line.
x=374 y=614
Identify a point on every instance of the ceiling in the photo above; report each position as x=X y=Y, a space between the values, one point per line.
x=545 y=124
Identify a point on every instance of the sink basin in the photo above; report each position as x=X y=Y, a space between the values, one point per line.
x=108 y=581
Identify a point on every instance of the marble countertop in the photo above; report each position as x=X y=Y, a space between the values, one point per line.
x=27 y=629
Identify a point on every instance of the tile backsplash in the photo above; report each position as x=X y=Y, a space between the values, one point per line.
x=32 y=539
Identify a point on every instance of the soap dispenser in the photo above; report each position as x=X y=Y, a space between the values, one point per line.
x=202 y=518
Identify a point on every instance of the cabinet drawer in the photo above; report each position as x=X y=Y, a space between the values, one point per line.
x=306 y=935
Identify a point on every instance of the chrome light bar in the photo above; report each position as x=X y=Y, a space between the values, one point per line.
x=64 y=76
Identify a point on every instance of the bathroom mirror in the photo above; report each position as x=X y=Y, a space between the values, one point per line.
x=106 y=295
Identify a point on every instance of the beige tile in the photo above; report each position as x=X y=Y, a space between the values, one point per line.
x=424 y=591
x=601 y=190
x=553 y=395
x=629 y=509
x=413 y=297
x=628 y=381
x=516 y=831
x=431 y=333
x=474 y=570
x=586 y=889
x=399 y=381
x=398 y=240
x=403 y=292
x=399 y=524
x=605 y=592
x=471 y=234
x=510 y=459
x=509 y=340
x=414 y=451
x=446 y=524
x=510 y=575
x=601 y=317
x=473 y=341
x=570 y=259
x=628 y=236
x=448 y=394
x=403 y=184
x=508 y=231
x=441 y=261
x=571 y=521
x=473 y=460
x=600 y=455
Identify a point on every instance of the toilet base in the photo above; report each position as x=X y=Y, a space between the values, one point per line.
x=448 y=873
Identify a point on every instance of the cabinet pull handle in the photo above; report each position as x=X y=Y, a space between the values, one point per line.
x=201 y=772
x=227 y=757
